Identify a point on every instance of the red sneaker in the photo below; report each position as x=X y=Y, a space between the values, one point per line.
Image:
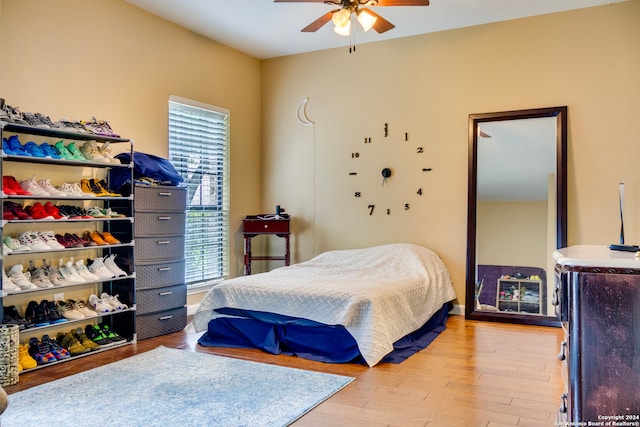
x=37 y=211
x=11 y=184
x=53 y=211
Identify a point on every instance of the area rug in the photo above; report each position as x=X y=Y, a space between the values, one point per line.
x=170 y=387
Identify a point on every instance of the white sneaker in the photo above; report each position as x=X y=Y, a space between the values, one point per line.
x=56 y=278
x=40 y=279
x=8 y=285
x=99 y=305
x=33 y=241
x=82 y=308
x=6 y=250
x=31 y=185
x=98 y=268
x=45 y=184
x=113 y=301
x=49 y=238
x=84 y=272
x=15 y=245
x=21 y=278
x=69 y=310
x=70 y=273
x=109 y=262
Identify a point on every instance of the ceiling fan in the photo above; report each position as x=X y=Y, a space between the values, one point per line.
x=354 y=10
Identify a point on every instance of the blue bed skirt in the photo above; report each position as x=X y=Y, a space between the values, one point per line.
x=278 y=334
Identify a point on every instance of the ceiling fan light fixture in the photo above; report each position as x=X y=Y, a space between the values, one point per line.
x=344 y=30
x=341 y=18
x=366 y=19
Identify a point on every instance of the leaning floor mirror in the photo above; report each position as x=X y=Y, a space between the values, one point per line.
x=517 y=214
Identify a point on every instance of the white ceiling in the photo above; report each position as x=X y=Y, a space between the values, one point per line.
x=264 y=29
x=515 y=162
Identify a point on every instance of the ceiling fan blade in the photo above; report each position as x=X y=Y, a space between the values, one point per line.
x=318 y=23
x=403 y=3
x=381 y=25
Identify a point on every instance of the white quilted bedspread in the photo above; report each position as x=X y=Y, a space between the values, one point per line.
x=378 y=294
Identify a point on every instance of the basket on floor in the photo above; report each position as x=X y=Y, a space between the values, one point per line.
x=9 y=348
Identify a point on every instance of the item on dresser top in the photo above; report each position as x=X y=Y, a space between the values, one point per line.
x=144 y=165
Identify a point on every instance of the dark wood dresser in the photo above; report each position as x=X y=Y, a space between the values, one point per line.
x=597 y=298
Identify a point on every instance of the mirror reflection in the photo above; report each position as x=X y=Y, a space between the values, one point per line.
x=519 y=196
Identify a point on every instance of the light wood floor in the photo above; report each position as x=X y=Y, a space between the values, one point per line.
x=474 y=374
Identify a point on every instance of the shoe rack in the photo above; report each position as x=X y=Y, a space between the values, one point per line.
x=60 y=171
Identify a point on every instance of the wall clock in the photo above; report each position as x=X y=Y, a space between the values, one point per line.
x=388 y=174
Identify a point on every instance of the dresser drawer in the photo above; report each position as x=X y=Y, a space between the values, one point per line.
x=160 y=274
x=253 y=224
x=163 y=322
x=159 y=248
x=159 y=223
x=159 y=299
x=160 y=199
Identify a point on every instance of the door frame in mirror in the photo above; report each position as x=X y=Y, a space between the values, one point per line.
x=560 y=114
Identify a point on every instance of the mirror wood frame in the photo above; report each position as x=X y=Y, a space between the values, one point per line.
x=560 y=114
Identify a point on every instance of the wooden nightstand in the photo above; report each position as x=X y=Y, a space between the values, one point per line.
x=255 y=225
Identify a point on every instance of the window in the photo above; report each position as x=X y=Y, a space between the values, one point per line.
x=199 y=150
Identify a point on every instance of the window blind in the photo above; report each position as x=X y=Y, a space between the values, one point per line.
x=199 y=150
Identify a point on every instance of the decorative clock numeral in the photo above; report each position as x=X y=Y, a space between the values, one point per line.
x=386 y=130
x=371 y=208
x=355 y=155
x=388 y=211
x=419 y=192
x=420 y=150
x=426 y=169
x=406 y=206
x=367 y=140
x=353 y=173
x=357 y=194
x=406 y=136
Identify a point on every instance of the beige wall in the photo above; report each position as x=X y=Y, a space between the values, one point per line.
x=111 y=60
x=512 y=233
x=587 y=59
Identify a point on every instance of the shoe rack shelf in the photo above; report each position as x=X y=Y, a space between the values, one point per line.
x=69 y=170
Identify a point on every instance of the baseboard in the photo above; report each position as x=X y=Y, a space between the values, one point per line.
x=457 y=310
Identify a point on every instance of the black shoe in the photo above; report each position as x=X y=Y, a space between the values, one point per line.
x=50 y=309
x=113 y=336
x=95 y=334
x=13 y=317
x=35 y=314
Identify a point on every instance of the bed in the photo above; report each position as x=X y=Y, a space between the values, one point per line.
x=371 y=305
